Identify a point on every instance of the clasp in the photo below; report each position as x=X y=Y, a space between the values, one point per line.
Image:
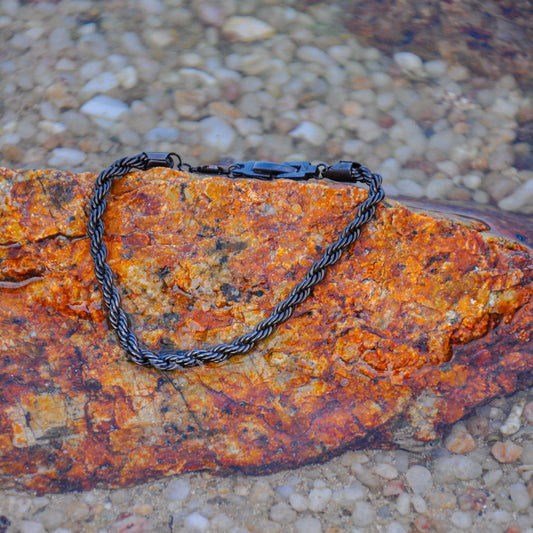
x=161 y=159
x=294 y=170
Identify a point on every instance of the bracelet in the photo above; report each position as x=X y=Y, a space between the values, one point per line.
x=343 y=171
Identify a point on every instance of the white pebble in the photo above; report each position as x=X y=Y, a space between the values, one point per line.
x=127 y=77
x=101 y=83
x=313 y=54
x=195 y=522
x=409 y=62
x=465 y=468
x=390 y=170
x=319 y=498
x=217 y=133
x=104 y=107
x=310 y=132
x=522 y=196
x=386 y=471
x=472 y=181
x=246 y=29
x=403 y=503
x=410 y=188
x=52 y=127
x=419 y=504
x=461 y=519
x=29 y=526
x=368 y=130
x=348 y=495
x=519 y=496
x=419 y=479
x=436 y=68
x=363 y=514
x=502 y=158
x=504 y=108
x=439 y=188
x=282 y=513
x=299 y=502
x=166 y=133
x=66 y=157
x=177 y=490
x=492 y=477
x=158 y=37
x=512 y=424
x=448 y=167
x=395 y=527
x=385 y=101
x=307 y=524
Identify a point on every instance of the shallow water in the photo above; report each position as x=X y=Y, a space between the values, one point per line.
x=176 y=76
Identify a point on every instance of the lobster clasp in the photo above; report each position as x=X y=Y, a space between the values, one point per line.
x=296 y=170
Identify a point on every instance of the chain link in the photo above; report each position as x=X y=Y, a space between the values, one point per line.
x=342 y=171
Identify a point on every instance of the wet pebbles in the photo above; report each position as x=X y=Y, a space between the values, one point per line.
x=83 y=83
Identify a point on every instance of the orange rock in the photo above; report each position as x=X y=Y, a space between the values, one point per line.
x=506 y=451
x=423 y=319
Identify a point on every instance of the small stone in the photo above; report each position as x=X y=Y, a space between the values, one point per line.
x=528 y=412
x=363 y=514
x=459 y=440
x=419 y=479
x=167 y=133
x=308 y=524
x=197 y=523
x=492 y=477
x=299 y=502
x=395 y=527
x=461 y=519
x=512 y=424
x=159 y=38
x=403 y=503
x=465 y=468
x=246 y=29
x=410 y=187
x=319 y=498
x=177 y=490
x=436 y=68
x=519 y=496
x=386 y=471
x=29 y=526
x=409 y=62
x=66 y=157
x=127 y=77
x=310 y=132
x=104 y=107
x=472 y=181
x=346 y=496
x=282 y=513
x=506 y=451
x=418 y=503
x=422 y=524
x=393 y=487
x=368 y=130
x=131 y=523
x=102 y=83
x=478 y=426
x=217 y=133
x=472 y=499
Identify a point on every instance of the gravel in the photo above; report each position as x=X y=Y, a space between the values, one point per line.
x=81 y=86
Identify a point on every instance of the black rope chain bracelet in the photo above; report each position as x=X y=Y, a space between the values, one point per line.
x=344 y=171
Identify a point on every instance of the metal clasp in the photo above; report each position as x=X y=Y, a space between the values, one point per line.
x=341 y=171
x=161 y=159
x=295 y=170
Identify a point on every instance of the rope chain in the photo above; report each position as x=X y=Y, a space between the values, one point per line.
x=243 y=344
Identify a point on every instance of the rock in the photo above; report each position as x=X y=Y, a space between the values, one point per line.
x=506 y=451
x=307 y=524
x=409 y=62
x=196 y=523
x=200 y=260
x=217 y=133
x=104 y=107
x=66 y=157
x=459 y=440
x=246 y=29
x=419 y=479
x=310 y=132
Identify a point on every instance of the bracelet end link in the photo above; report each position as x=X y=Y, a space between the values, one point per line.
x=161 y=159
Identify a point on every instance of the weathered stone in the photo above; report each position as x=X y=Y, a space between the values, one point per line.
x=423 y=319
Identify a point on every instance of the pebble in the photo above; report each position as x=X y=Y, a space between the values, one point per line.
x=29 y=526
x=178 y=489
x=512 y=423
x=246 y=29
x=104 y=107
x=522 y=196
x=217 y=133
x=101 y=83
x=419 y=479
x=310 y=132
x=409 y=62
x=461 y=519
x=319 y=498
x=506 y=451
x=282 y=513
x=299 y=502
x=364 y=514
x=519 y=496
x=196 y=523
x=307 y=524
x=459 y=440
x=66 y=157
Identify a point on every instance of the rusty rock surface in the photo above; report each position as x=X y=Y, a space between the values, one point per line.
x=423 y=319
